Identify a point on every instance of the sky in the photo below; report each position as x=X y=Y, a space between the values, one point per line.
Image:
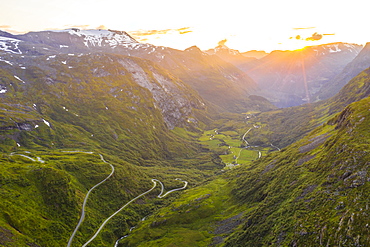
x=242 y=24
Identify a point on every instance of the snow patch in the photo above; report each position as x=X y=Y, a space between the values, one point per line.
x=48 y=58
x=36 y=126
x=1 y=60
x=101 y=37
x=334 y=48
x=46 y=122
x=10 y=45
x=3 y=90
x=16 y=77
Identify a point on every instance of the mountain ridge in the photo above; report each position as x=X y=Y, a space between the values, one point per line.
x=290 y=78
x=358 y=64
x=204 y=70
x=256 y=174
x=312 y=192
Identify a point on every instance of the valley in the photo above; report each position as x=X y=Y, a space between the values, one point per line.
x=93 y=122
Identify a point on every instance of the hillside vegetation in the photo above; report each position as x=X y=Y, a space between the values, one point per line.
x=311 y=193
x=92 y=122
x=92 y=104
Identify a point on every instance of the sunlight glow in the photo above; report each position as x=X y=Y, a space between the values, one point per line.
x=259 y=25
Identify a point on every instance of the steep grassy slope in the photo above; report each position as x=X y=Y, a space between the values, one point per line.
x=41 y=198
x=218 y=82
x=118 y=102
x=312 y=193
x=358 y=64
x=148 y=123
x=133 y=112
x=284 y=126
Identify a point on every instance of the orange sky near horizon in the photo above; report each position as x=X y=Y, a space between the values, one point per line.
x=246 y=25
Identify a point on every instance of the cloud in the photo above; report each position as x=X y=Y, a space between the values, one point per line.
x=102 y=27
x=141 y=33
x=315 y=37
x=9 y=29
x=149 y=32
x=5 y=27
x=78 y=26
x=303 y=28
x=298 y=37
x=183 y=29
x=184 y=32
x=222 y=42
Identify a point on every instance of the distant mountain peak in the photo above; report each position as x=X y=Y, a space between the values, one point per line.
x=222 y=48
x=193 y=48
x=335 y=47
x=255 y=54
x=100 y=37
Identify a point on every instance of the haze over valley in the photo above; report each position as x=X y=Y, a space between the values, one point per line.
x=189 y=133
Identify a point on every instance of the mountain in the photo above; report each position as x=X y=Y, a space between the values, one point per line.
x=358 y=64
x=241 y=60
x=255 y=54
x=217 y=81
x=290 y=78
x=208 y=75
x=96 y=127
x=59 y=112
x=313 y=192
x=287 y=125
x=97 y=83
x=310 y=193
x=68 y=96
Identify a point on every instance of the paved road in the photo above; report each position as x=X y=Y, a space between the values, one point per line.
x=119 y=210
x=259 y=152
x=87 y=195
x=168 y=192
x=30 y=158
x=245 y=135
x=142 y=194
x=275 y=147
x=161 y=195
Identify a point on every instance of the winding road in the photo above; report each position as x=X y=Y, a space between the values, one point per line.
x=275 y=147
x=142 y=194
x=243 y=138
x=248 y=145
x=168 y=192
x=87 y=195
x=30 y=158
x=161 y=195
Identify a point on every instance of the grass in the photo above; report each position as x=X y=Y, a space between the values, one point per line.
x=190 y=220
